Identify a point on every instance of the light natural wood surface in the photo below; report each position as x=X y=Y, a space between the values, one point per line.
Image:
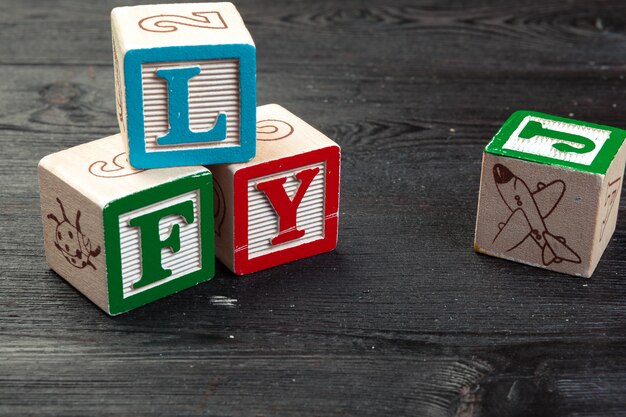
x=161 y=25
x=544 y=215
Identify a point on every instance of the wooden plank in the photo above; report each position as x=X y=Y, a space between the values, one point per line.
x=403 y=318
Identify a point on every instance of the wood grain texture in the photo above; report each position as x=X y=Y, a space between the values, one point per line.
x=403 y=318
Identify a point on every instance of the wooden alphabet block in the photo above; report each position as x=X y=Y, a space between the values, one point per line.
x=185 y=78
x=282 y=205
x=549 y=192
x=125 y=237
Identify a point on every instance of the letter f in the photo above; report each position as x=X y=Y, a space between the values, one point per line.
x=151 y=244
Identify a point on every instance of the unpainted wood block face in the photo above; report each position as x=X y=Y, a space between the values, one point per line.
x=121 y=236
x=185 y=83
x=283 y=205
x=549 y=192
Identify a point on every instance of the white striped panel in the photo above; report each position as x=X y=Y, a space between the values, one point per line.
x=214 y=90
x=186 y=260
x=543 y=146
x=263 y=220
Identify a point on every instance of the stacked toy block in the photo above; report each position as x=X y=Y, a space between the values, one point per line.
x=137 y=216
x=282 y=205
x=186 y=84
x=121 y=236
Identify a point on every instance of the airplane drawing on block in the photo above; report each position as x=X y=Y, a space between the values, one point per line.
x=529 y=209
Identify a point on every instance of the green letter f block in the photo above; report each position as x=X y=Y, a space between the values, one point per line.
x=159 y=241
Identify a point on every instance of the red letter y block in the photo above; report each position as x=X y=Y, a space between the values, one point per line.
x=286 y=208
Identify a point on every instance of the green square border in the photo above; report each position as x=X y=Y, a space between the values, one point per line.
x=203 y=182
x=600 y=164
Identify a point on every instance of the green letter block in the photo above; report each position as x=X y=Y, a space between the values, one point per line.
x=550 y=191
x=125 y=237
x=159 y=241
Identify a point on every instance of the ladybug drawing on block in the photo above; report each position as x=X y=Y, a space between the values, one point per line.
x=69 y=239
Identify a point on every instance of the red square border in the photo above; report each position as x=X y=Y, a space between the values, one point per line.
x=243 y=265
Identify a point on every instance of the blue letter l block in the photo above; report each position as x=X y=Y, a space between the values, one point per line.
x=178 y=110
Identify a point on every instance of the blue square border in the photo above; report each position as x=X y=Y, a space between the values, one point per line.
x=245 y=151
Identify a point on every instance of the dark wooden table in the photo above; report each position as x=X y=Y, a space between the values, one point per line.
x=403 y=319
